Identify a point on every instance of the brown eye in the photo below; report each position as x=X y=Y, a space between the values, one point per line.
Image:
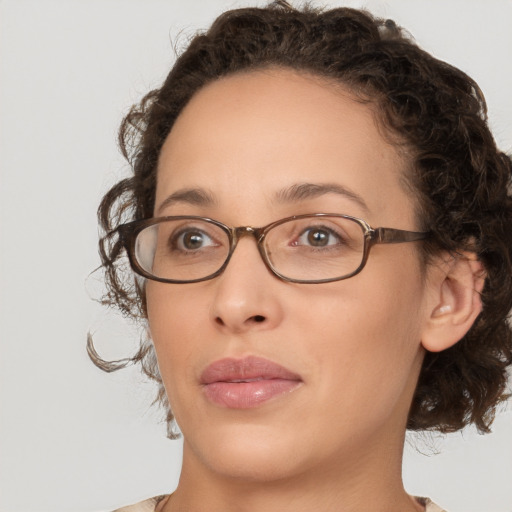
x=191 y=240
x=317 y=238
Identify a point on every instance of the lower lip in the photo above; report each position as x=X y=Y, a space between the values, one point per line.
x=245 y=395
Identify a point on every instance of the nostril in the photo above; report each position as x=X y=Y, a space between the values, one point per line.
x=256 y=318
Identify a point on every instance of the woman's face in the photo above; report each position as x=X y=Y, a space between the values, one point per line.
x=350 y=349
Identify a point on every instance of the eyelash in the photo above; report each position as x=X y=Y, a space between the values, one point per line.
x=341 y=240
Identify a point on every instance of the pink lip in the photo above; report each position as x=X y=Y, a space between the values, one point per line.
x=246 y=383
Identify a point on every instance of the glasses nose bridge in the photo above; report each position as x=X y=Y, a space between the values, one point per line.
x=243 y=231
x=247 y=231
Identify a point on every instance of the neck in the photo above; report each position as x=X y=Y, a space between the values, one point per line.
x=350 y=483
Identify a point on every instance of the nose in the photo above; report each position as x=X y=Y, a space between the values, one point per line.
x=247 y=295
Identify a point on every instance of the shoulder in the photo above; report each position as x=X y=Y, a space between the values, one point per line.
x=148 y=505
x=430 y=506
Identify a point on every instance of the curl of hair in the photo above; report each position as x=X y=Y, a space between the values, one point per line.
x=433 y=111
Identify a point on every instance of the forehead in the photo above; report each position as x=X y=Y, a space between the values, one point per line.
x=250 y=135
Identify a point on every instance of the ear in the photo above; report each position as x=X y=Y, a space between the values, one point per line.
x=454 y=300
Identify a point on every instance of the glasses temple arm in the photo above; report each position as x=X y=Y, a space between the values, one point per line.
x=396 y=236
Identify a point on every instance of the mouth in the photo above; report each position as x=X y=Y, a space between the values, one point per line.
x=246 y=383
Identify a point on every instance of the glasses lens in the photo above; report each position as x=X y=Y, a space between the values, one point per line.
x=316 y=248
x=182 y=249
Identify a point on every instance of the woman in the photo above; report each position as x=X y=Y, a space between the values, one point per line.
x=320 y=217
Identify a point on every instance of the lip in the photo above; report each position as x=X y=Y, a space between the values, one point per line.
x=246 y=383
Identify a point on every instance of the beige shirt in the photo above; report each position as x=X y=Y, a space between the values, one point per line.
x=150 y=504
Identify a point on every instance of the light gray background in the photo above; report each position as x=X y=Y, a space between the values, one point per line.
x=76 y=439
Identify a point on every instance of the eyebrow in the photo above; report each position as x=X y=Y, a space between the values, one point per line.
x=304 y=191
x=295 y=193
x=193 y=196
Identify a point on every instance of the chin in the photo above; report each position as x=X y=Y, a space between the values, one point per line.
x=255 y=453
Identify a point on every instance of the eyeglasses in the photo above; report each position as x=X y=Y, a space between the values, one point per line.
x=312 y=248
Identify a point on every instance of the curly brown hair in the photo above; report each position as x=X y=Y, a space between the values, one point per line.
x=428 y=108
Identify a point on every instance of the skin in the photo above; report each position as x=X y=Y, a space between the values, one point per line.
x=335 y=442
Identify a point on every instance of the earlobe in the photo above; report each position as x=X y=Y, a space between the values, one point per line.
x=455 y=301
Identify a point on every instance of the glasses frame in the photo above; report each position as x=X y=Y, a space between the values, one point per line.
x=128 y=234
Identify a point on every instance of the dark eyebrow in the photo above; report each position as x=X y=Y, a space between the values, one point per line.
x=303 y=191
x=193 y=196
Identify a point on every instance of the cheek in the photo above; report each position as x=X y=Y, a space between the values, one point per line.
x=368 y=335
x=174 y=323
x=174 y=311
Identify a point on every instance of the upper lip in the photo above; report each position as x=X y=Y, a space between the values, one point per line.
x=245 y=369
